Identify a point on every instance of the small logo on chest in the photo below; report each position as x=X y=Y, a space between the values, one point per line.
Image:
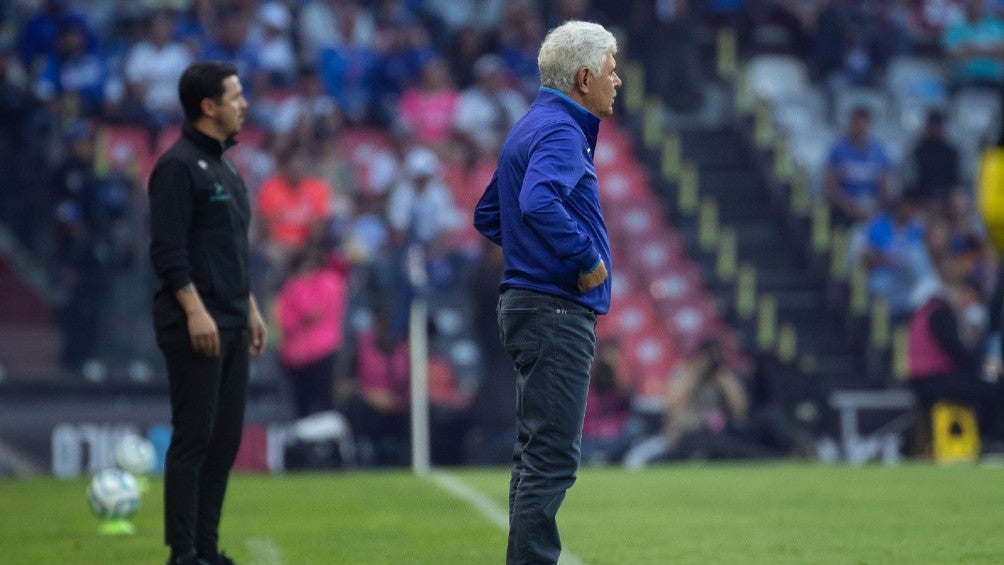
x=219 y=194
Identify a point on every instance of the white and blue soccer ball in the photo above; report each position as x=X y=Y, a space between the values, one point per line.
x=113 y=494
x=135 y=454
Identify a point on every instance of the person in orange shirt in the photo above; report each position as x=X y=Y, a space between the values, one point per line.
x=293 y=208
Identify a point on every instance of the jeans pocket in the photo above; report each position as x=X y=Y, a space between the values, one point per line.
x=520 y=333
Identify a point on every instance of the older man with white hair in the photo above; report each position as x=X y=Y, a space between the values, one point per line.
x=543 y=207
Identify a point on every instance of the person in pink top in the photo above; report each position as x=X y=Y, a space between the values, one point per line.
x=310 y=309
x=428 y=109
x=378 y=413
x=608 y=430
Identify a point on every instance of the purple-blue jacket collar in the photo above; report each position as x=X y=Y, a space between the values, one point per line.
x=589 y=122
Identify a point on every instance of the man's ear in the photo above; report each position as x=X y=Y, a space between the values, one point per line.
x=208 y=107
x=583 y=80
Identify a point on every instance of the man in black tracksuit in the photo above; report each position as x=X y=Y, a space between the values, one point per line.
x=207 y=321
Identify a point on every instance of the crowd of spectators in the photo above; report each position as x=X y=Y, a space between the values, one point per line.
x=913 y=90
x=374 y=125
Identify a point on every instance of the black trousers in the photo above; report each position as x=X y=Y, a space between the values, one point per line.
x=552 y=342
x=207 y=416
x=312 y=385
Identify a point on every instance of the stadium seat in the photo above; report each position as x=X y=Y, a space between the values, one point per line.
x=630 y=314
x=877 y=101
x=976 y=112
x=649 y=360
x=810 y=149
x=896 y=140
x=801 y=111
x=916 y=78
x=912 y=111
x=774 y=76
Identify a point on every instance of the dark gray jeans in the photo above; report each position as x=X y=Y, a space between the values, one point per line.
x=552 y=341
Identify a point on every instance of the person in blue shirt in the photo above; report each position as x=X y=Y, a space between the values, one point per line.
x=858 y=172
x=542 y=206
x=975 y=45
x=895 y=254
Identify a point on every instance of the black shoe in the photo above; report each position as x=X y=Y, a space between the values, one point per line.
x=186 y=559
x=218 y=559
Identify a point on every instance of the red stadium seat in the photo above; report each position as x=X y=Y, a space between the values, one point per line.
x=651 y=358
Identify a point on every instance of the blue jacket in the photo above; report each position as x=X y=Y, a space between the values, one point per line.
x=543 y=202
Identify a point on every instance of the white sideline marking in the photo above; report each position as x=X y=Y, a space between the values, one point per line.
x=264 y=551
x=485 y=506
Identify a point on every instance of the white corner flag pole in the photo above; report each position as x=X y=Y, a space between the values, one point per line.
x=418 y=348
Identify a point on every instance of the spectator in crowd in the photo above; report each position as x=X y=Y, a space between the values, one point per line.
x=561 y=11
x=324 y=24
x=489 y=108
x=449 y=412
x=894 y=254
x=495 y=403
x=73 y=78
x=403 y=51
x=379 y=411
x=428 y=110
x=346 y=63
x=421 y=207
x=293 y=207
x=468 y=44
x=368 y=235
x=946 y=347
x=38 y=38
x=276 y=55
x=519 y=51
x=975 y=45
x=853 y=42
x=81 y=256
x=932 y=170
x=858 y=172
x=608 y=430
x=229 y=42
x=20 y=205
x=484 y=15
x=194 y=24
x=707 y=415
x=308 y=116
x=153 y=67
x=310 y=309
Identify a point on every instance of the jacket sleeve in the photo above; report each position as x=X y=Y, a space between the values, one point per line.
x=554 y=170
x=487 y=215
x=170 y=218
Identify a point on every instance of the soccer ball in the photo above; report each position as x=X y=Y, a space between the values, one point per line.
x=135 y=454
x=113 y=494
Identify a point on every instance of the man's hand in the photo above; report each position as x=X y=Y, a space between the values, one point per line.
x=204 y=333
x=202 y=328
x=592 y=279
x=256 y=328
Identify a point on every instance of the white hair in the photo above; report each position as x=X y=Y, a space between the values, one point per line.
x=570 y=47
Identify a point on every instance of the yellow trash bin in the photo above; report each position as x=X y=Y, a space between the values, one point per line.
x=955 y=434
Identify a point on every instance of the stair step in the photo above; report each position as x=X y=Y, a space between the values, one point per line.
x=716 y=148
x=731 y=181
x=799 y=299
x=782 y=280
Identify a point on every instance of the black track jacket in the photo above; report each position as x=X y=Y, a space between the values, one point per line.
x=199 y=215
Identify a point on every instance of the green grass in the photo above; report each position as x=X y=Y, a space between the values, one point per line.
x=681 y=514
